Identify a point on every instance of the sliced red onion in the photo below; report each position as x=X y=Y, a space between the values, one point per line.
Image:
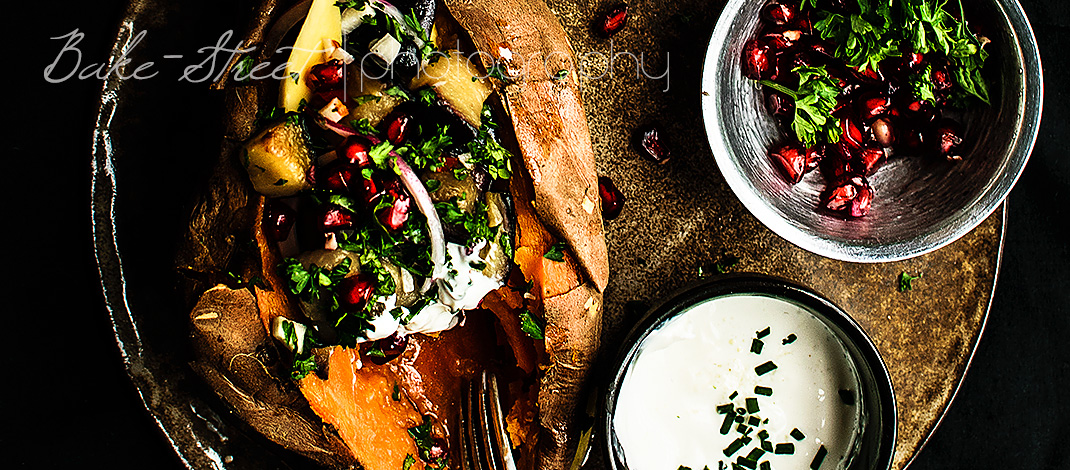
x=336 y=127
x=434 y=225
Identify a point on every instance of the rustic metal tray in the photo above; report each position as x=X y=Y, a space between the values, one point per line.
x=681 y=219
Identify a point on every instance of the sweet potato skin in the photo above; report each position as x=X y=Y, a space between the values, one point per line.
x=546 y=111
x=238 y=359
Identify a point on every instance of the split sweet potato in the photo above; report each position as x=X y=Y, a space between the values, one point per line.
x=557 y=201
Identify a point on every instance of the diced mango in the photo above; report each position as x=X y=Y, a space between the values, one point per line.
x=324 y=22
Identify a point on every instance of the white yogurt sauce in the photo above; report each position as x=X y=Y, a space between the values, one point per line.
x=666 y=414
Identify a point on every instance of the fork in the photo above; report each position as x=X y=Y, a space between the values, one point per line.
x=484 y=440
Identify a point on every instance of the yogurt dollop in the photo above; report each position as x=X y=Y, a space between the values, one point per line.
x=667 y=415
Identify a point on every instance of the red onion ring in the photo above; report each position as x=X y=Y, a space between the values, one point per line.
x=434 y=225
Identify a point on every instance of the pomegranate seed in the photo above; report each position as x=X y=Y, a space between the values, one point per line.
x=816 y=154
x=355 y=150
x=780 y=105
x=279 y=218
x=851 y=134
x=438 y=448
x=778 y=13
x=652 y=145
x=614 y=20
x=396 y=215
x=612 y=199
x=948 y=140
x=836 y=163
x=354 y=292
x=757 y=63
x=871 y=106
x=913 y=140
x=941 y=80
x=392 y=346
x=803 y=22
x=396 y=126
x=335 y=218
x=851 y=196
x=337 y=176
x=882 y=132
x=792 y=160
x=869 y=159
x=326 y=75
x=781 y=41
x=368 y=190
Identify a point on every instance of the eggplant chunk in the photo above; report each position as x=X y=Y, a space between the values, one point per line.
x=278 y=159
x=459 y=83
x=238 y=359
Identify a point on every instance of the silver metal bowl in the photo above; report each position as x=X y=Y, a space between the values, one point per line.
x=920 y=204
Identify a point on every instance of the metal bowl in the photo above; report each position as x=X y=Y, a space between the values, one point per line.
x=876 y=444
x=920 y=204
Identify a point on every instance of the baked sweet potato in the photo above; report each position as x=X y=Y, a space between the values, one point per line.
x=345 y=413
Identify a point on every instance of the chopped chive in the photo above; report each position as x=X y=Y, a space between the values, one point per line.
x=763 y=333
x=684 y=468
x=765 y=466
x=741 y=411
x=733 y=447
x=819 y=458
x=766 y=421
x=752 y=405
x=733 y=395
x=765 y=368
x=848 y=397
x=790 y=339
x=755 y=454
x=745 y=462
x=720 y=465
x=763 y=434
x=797 y=434
x=739 y=418
x=727 y=424
x=736 y=466
x=754 y=421
x=785 y=448
x=756 y=346
x=767 y=446
x=746 y=440
x=760 y=390
x=742 y=429
x=725 y=408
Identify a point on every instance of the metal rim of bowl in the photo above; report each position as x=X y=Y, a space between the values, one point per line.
x=743 y=284
x=953 y=228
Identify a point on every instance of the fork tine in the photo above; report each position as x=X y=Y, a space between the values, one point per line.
x=501 y=435
x=471 y=457
x=490 y=450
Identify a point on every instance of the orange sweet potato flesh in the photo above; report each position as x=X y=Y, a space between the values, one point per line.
x=357 y=399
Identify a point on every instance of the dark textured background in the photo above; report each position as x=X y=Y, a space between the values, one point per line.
x=69 y=401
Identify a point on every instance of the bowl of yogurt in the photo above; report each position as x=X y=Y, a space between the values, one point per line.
x=748 y=372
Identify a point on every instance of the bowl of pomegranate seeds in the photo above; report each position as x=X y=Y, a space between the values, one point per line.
x=868 y=130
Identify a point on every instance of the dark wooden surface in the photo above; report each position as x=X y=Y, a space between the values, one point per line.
x=72 y=403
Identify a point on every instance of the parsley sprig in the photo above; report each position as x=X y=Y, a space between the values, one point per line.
x=814 y=102
x=863 y=39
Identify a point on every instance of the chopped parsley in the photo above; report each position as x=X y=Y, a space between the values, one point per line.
x=421 y=435
x=532 y=325
x=556 y=252
x=863 y=39
x=486 y=150
x=906 y=281
x=474 y=221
